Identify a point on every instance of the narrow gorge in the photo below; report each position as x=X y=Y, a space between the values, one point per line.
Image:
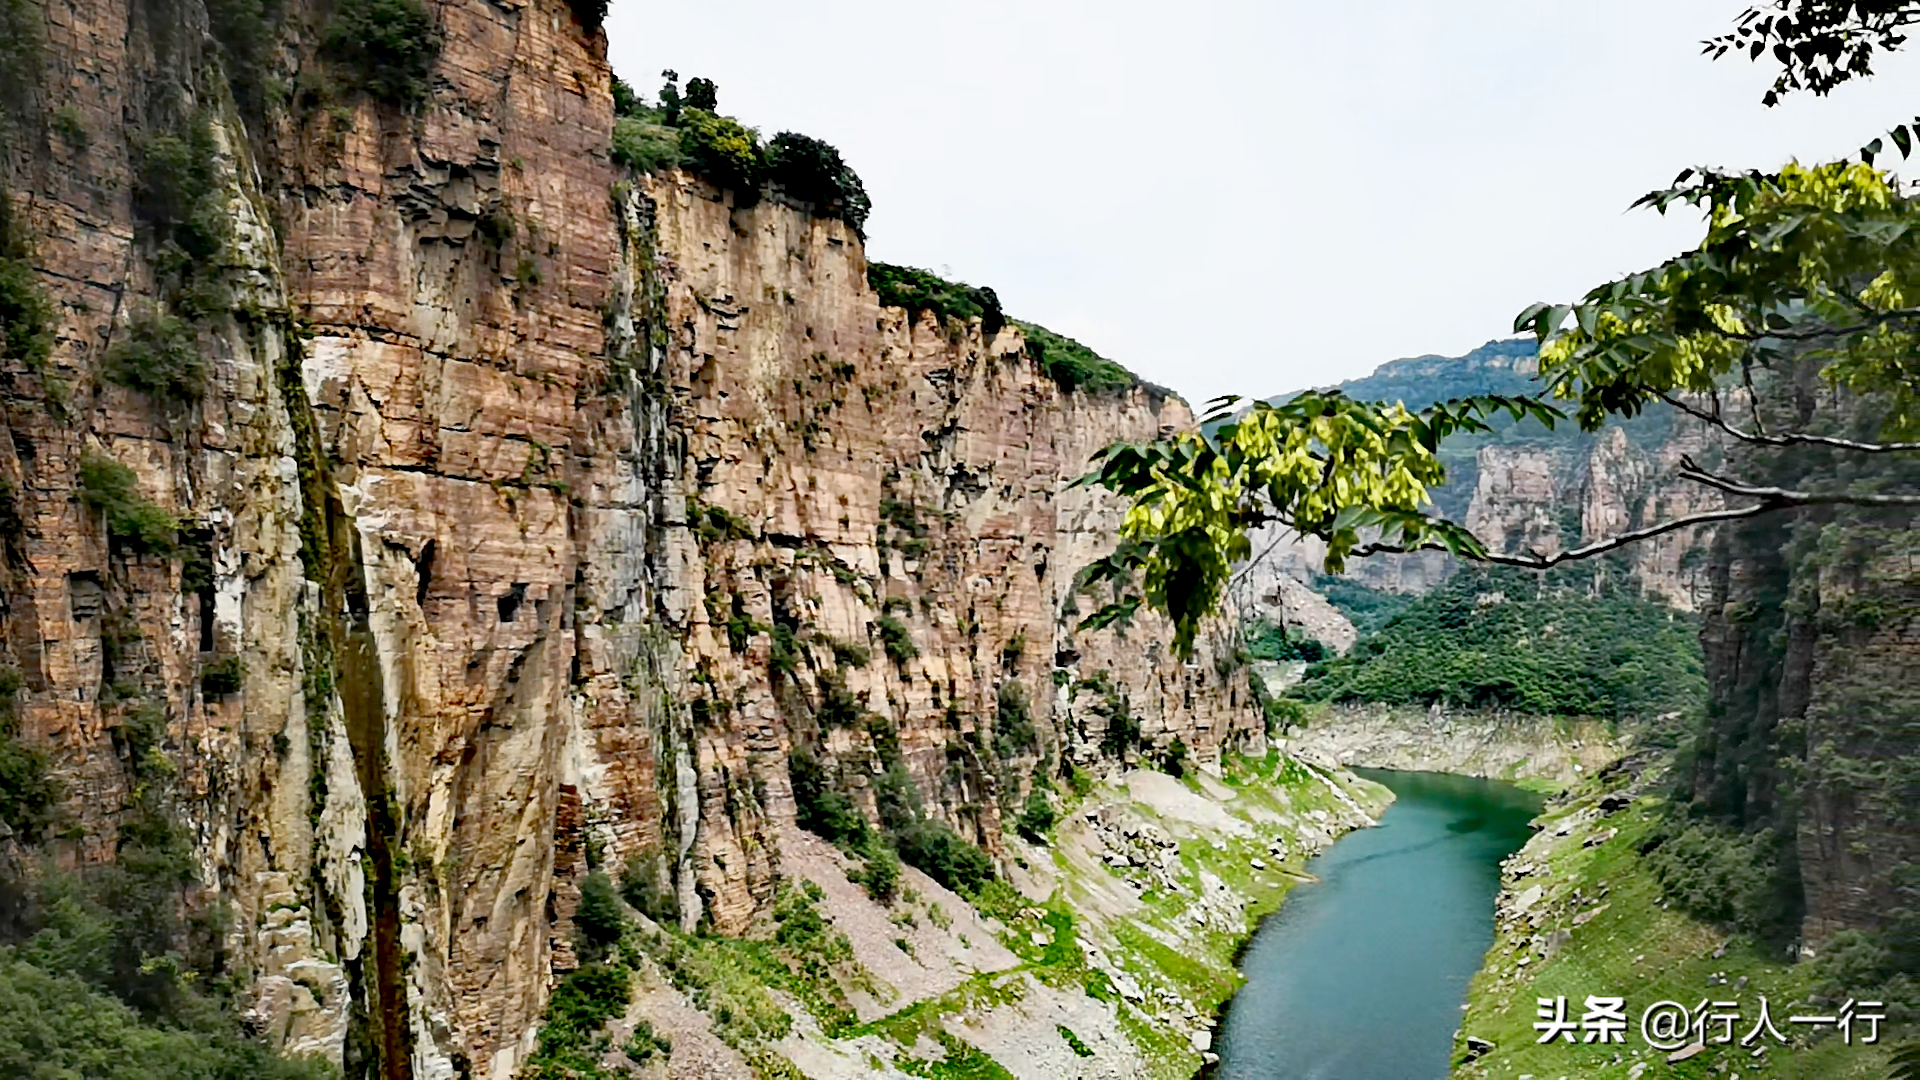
x=495 y=583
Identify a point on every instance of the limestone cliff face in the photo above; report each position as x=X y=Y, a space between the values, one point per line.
x=871 y=538
x=527 y=513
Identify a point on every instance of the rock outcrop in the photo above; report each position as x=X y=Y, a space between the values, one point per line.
x=529 y=514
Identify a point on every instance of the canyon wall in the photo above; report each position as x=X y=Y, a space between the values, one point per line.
x=529 y=516
x=1544 y=493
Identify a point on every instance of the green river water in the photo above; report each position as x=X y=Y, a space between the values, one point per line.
x=1361 y=975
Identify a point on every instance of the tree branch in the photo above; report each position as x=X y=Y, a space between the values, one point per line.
x=1795 y=438
x=1770 y=499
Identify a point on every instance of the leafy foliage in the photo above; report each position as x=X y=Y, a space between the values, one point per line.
x=896 y=639
x=160 y=356
x=1507 y=639
x=1367 y=608
x=1321 y=464
x=641 y=885
x=181 y=203
x=812 y=171
x=1818 y=44
x=645 y=146
x=1728 y=878
x=598 y=916
x=1269 y=641
x=28 y=794
x=26 y=317
x=1073 y=365
x=1013 y=730
x=1037 y=816
x=1812 y=264
x=111 y=488
x=921 y=290
x=389 y=46
x=570 y=1038
x=54 y=1026
x=721 y=149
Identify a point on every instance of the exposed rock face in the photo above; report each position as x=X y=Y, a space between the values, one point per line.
x=1499 y=746
x=534 y=514
x=1546 y=496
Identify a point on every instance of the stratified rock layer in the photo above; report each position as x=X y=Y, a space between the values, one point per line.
x=546 y=512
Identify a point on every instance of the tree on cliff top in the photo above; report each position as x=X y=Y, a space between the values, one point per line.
x=1807 y=276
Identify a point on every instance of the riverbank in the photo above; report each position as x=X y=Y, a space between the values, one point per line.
x=1541 y=752
x=1106 y=950
x=1581 y=914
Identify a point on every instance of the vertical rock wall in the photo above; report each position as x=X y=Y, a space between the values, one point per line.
x=530 y=515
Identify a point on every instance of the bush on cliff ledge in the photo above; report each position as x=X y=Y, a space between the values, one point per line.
x=812 y=172
x=389 y=45
x=920 y=290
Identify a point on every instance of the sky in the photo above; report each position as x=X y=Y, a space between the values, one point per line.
x=1254 y=196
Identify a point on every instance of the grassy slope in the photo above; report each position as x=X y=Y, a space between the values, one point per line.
x=1633 y=948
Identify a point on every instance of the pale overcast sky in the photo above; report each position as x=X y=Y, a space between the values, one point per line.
x=1250 y=197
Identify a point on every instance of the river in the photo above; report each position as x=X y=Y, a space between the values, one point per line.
x=1361 y=974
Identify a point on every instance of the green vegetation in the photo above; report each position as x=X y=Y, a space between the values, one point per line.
x=641 y=885
x=1269 y=641
x=27 y=794
x=1037 y=816
x=117 y=968
x=950 y=301
x=1013 y=730
x=222 y=677
x=1073 y=365
x=896 y=639
x=159 y=355
x=811 y=171
x=721 y=149
x=571 y=1039
x=26 y=317
x=1638 y=944
x=180 y=200
x=1506 y=639
x=132 y=519
x=389 y=46
x=598 y=917
x=645 y=146
x=1367 y=608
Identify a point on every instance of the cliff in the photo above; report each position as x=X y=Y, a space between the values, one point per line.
x=528 y=516
x=1522 y=487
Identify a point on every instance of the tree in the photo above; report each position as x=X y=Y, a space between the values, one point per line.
x=1806 y=276
x=702 y=94
x=670 y=102
x=1819 y=44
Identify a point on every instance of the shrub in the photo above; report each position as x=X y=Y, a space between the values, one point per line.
x=112 y=489
x=646 y=1042
x=819 y=807
x=160 y=356
x=181 y=203
x=1514 y=640
x=1269 y=641
x=389 y=45
x=940 y=853
x=599 y=918
x=848 y=654
x=222 y=677
x=1072 y=365
x=1013 y=730
x=626 y=102
x=27 y=794
x=1173 y=761
x=879 y=873
x=640 y=886
x=26 y=318
x=920 y=290
x=1122 y=732
x=722 y=150
x=644 y=146
x=581 y=1006
x=702 y=94
x=812 y=172
x=591 y=13
x=1729 y=878
x=1037 y=816
x=896 y=639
